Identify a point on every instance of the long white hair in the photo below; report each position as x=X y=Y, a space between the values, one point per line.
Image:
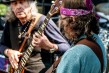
x=10 y=16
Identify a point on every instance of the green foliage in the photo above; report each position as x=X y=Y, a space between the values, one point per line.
x=3 y=9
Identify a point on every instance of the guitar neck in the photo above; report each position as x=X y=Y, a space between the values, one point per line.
x=42 y=27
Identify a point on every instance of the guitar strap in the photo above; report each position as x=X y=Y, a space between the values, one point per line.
x=53 y=67
x=33 y=23
x=95 y=48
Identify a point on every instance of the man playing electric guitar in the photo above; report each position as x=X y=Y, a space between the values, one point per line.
x=19 y=19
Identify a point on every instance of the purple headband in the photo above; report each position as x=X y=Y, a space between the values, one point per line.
x=73 y=12
x=78 y=12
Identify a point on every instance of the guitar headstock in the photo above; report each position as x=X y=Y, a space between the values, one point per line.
x=55 y=7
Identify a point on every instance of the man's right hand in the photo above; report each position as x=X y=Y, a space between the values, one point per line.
x=13 y=56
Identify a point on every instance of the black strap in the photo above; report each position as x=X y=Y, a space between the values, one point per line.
x=96 y=49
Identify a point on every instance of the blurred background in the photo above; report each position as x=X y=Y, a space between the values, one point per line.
x=101 y=7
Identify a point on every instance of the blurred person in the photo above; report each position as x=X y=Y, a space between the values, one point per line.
x=80 y=23
x=19 y=18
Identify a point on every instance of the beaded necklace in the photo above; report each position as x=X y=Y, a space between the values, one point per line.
x=22 y=30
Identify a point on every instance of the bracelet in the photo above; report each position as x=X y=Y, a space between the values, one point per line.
x=52 y=50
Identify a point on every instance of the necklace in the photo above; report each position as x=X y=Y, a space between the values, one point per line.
x=21 y=33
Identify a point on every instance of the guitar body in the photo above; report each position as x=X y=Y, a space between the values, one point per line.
x=11 y=70
x=14 y=71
